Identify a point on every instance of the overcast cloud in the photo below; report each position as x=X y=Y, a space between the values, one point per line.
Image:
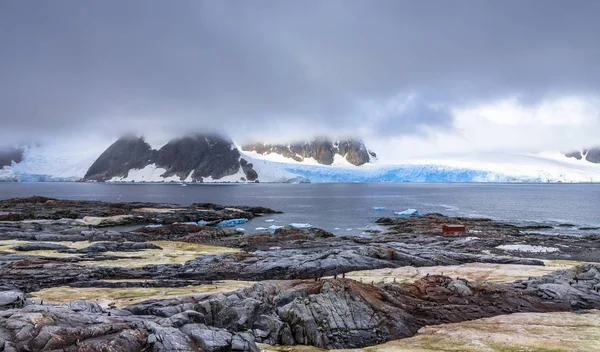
x=394 y=70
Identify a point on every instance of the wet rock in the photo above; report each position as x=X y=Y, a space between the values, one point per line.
x=11 y=299
x=39 y=246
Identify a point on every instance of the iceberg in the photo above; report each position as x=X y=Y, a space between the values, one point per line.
x=261 y=229
x=300 y=225
x=379 y=208
x=231 y=223
x=274 y=227
x=240 y=229
x=202 y=223
x=408 y=212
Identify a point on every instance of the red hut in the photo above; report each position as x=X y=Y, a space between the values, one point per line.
x=453 y=228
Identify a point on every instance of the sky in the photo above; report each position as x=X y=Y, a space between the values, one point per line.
x=409 y=77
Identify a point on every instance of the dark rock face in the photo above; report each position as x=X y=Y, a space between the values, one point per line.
x=125 y=154
x=592 y=155
x=321 y=149
x=8 y=155
x=199 y=155
x=196 y=156
x=250 y=173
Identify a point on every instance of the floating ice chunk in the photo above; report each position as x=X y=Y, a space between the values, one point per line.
x=300 y=225
x=274 y=227
x=349 y=229
x=261 y=229
x=379 y=208
x=274 y=248
x=232 y=222
x=240 y=229
x=187 y=223
x=336 y=228
x=408 y=212
x=202 y=223
x=269 y=220
x=154 y=225
x=527 y=248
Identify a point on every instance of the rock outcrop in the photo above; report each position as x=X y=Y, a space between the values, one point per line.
x=320 y=149
x=192 y=158
x=313 y=302
x=332 y=313
x=592 y=155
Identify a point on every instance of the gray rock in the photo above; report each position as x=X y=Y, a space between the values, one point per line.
x=11 y=299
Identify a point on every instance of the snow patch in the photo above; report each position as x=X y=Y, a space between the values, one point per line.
x=527 y=248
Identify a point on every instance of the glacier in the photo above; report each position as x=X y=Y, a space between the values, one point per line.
x=56 y=162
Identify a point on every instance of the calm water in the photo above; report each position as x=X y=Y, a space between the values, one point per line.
x=348 y=206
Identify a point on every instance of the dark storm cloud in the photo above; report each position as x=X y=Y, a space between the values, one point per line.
x=112 y=65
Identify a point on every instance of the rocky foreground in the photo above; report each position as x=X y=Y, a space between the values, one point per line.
x=294 y=286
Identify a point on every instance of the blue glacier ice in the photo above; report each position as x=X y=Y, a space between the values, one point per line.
x=408 y=212
x=401 y=173
x=24 y=177
x=379 y=208
x=231 y=223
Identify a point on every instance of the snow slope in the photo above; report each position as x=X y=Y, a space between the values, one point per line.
x=476 y=168
x=51 y=162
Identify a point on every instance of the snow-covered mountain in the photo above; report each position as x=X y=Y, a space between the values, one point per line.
x=193 y=158
x=321 y=150
x=209 y=158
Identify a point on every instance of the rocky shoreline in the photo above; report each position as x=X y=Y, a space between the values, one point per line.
x=287 y=287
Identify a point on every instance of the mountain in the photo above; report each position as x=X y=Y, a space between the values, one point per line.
x=322 y=150
x=193 y=158
x=213 y=158
x=10 y=155
x=592 y=155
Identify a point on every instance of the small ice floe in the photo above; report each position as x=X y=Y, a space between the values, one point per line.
x=379 y=208
x=274 y=227
x=336 y=228
x=349 y=229
x=187 y=223
x=298 y=225
x=202 y=223
x=274 y=248
x=261 y=229
x=269 y=220
x=231 y=223
x=154 y=225
x=527 y=248
x=408 y=212
x=474 y=231
x=240 y=229
x=183 y=185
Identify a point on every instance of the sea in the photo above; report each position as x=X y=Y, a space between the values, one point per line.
x=348 y=208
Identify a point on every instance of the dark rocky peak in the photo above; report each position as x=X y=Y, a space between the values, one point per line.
x=592 y=155
x=9 y=155
x=128 y=152
x=199 y=155
x=193 y=157
x=322 y=149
